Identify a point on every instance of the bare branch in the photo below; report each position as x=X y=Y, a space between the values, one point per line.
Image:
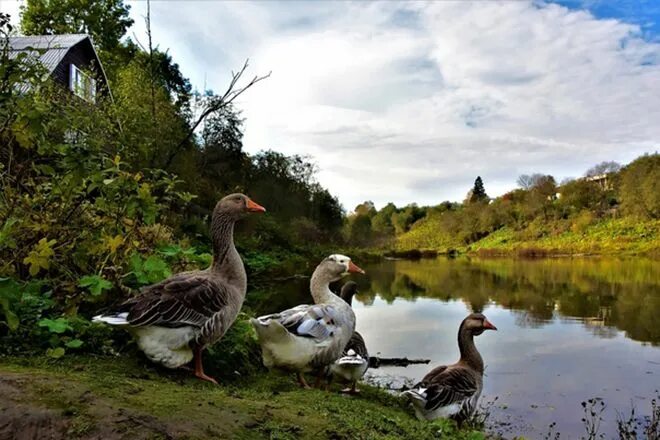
x=218 y=103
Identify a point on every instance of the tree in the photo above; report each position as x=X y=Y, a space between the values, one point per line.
x=545 y=185
x=366 y=208
x=382 y=221
x=105 y=20
x=478 y=193
x=603 y=168
x=640 y=187
x=527 y=181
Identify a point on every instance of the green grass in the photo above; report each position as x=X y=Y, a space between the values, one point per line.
x=625 y=236
x=97 y=395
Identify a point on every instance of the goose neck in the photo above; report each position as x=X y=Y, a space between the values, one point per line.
x=222 y=235
x=319 y=286
x=469 y=353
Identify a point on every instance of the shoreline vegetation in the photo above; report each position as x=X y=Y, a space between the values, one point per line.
x=612 y=237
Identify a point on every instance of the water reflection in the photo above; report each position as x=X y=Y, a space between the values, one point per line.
x=569 y=329
x=605 y=294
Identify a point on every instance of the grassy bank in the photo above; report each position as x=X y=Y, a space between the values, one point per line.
x=122 y=397
x=625 y=236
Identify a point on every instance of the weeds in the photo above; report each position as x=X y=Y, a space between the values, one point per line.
x=593 y=416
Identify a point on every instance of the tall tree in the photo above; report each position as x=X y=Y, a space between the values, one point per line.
x=105 y=20
x=478 y=191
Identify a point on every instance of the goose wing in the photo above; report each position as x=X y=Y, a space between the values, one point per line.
x=445 y=386
x=181 y=300
x=316 y=321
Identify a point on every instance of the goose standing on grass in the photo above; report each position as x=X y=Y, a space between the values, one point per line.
x=310 y=337
x=355 y=359
x=452 y=391
x=174 y=320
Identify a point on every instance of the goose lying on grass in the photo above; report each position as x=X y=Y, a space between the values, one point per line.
x=310 y=337
x=452 y=391
x=355 y=360
x=174 y=320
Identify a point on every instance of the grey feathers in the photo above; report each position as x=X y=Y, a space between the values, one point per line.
x=184 y=299
x=313 y=321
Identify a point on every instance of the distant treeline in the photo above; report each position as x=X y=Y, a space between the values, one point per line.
x=539 y=209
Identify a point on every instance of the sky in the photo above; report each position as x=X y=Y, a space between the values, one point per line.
x=410 y=102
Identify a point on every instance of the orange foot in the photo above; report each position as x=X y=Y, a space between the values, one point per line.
x=206 y=378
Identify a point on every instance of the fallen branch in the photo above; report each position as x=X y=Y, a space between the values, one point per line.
x=377 y=362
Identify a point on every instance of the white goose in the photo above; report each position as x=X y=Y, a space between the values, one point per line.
x=310 y=337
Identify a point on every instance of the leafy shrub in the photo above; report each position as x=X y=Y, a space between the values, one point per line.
x=640 y=187
x=238 y=352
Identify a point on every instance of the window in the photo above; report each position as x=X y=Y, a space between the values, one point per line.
x=81 y=84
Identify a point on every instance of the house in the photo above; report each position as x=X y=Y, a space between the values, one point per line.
x=602 y=180
x=71 y=61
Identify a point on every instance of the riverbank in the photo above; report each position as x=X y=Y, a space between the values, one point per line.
x=613 y=237
x=85 y=397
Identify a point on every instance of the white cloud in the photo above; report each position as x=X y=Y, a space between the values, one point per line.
x=409 y=102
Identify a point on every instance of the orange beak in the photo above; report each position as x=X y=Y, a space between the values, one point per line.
x=254 y=207
x=353 y=268
x=489 y=325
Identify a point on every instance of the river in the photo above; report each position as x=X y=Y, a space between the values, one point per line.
x=568 y=330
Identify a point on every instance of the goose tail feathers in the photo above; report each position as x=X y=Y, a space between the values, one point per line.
x=118 y=319
x=269 y=329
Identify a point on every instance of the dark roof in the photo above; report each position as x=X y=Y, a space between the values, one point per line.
x=55 y=47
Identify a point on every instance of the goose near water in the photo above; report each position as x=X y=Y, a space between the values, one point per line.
x=174 y=320
x=452 y=391
x=310 y=337
x=355 y=360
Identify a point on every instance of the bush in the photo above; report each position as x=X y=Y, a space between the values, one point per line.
x=640 y=187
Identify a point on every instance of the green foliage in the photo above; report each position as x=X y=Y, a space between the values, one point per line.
x=105 y=20
x=59 y=325
x=478 y=192
x=95 y=284
x=149 y=270
x=238 y=352
x=640 y=187
x=89 y=200
x=579 y=216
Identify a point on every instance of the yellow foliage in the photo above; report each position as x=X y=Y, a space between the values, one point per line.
x=112 y=243
x=39 y=256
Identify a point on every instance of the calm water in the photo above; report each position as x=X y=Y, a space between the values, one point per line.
x=569 y=330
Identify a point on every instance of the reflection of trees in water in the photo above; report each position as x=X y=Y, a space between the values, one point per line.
x=604 y=293
x=525 y=319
